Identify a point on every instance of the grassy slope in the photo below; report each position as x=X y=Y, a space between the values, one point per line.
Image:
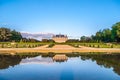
x=36 y=44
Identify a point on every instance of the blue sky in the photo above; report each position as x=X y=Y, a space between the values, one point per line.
x=71 y=17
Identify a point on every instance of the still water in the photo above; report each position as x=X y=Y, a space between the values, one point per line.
x=76 y=67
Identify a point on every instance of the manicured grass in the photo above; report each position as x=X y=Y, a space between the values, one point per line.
x=74 y=45
x=96 y=45
x=37 y=44
x=51 y=45
x=20 y=45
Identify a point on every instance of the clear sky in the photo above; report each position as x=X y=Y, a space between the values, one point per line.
x=71 y=17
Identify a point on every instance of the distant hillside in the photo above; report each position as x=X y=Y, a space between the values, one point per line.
x=38 y=36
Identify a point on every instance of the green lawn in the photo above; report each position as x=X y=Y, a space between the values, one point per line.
x=36 y=44
x=21 y=45
x=96 y=45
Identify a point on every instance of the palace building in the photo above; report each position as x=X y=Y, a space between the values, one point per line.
x=60 y=38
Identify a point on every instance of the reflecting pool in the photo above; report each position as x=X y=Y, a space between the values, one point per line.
x=76 y=66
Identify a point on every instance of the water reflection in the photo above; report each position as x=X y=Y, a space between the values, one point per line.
x=60 y=58
x=104 y=60
x=12 y=60
x=108 y=61
x=37 y=60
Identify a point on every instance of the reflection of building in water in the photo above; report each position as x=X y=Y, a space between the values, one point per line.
x=60 y=38
x=60 y=58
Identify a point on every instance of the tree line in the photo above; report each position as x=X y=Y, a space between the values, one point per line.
x=105 y=35
x=7 y=34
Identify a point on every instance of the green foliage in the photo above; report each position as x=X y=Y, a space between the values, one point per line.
x=96 y=45
x=9 y=35
x=16 y=36
x=48 y=41
x=116 y=32
x=74 y=45
x=20 y=45
x=105 y=35
x=112 y=46
x=85 y=39
x=72 y=41
x=5 y=34
x=50 y=45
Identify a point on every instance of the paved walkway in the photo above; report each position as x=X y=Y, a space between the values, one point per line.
x=59 y=49
x=62 y=46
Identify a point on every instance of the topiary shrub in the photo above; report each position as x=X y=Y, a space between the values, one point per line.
x=112 y=46
x=51 y=45
x=98 y=46
x=2 y=45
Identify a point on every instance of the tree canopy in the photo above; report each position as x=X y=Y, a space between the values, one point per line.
x=105 y=35
x=7 y=34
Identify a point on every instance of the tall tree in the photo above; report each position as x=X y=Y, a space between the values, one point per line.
x=98 y=36
x=9 y=35
x=5 y=34
x=83 y=38
x=106 y=34
x=116 y=32
x=16 y=36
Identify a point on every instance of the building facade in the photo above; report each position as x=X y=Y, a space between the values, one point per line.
x=60 y=38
